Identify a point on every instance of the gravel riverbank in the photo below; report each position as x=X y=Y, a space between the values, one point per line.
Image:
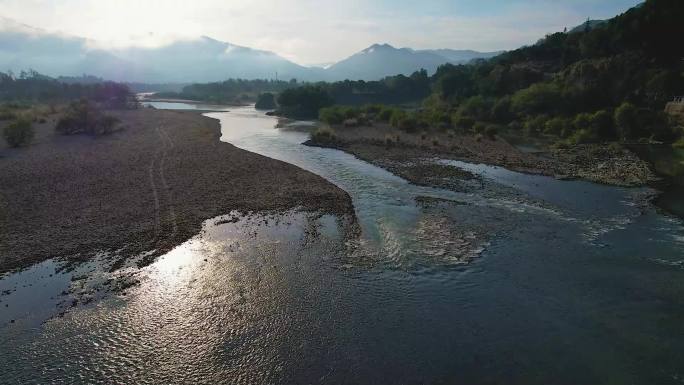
x=146 y=188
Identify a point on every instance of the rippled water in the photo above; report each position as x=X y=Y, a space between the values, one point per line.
x=567 y=282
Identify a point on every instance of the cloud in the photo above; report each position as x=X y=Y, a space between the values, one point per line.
x=311 y=31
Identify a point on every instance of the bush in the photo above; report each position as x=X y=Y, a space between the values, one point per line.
x=19 y=133
x=396 y=117
x=324 y=135
x=582 y=121
x=385 y=114
x=84 y=117
x=534 y=126
x=408 y=124
x=330 y=115
x=558 y=126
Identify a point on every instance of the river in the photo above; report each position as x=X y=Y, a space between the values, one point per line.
x=530 y=280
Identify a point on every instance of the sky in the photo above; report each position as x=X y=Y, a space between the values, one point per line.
x=313 y=31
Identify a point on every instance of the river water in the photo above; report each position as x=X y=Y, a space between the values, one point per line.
x=523 y=280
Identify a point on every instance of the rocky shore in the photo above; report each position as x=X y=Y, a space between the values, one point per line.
x=144 y=189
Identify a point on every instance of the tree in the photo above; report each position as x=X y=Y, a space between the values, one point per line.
x=265 y=101
x=19 y=133
x=477 y=107
x=304 y=102
x=538 y=98
x=501 y=111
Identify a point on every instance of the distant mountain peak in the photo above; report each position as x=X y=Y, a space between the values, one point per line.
x=377 y=47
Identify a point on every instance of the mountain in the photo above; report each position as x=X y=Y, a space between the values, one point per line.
x=23 y=47
x=200 y=60
x=207 y=60
x=381 y=60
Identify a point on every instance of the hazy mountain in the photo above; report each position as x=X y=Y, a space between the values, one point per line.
x=199 y=60
x=23 y=47
x=380 y=60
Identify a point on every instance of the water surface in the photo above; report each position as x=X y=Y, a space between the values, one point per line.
x=536 y=281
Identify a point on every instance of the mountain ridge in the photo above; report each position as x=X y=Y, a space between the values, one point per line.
x=203 y=59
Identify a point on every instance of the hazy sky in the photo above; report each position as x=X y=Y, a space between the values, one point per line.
x=313 y=32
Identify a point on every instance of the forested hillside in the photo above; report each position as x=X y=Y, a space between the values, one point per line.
x=604 y=82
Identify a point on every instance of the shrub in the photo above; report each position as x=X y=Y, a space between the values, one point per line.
x=396 y=117
x=106 y=125
x=558 y=126
x=19 y=133
x=408 y=124
x=84 y=117
x=385 y=114
x=330 y=115
x=582 y=121
x=535 y=125
x=324 y=135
